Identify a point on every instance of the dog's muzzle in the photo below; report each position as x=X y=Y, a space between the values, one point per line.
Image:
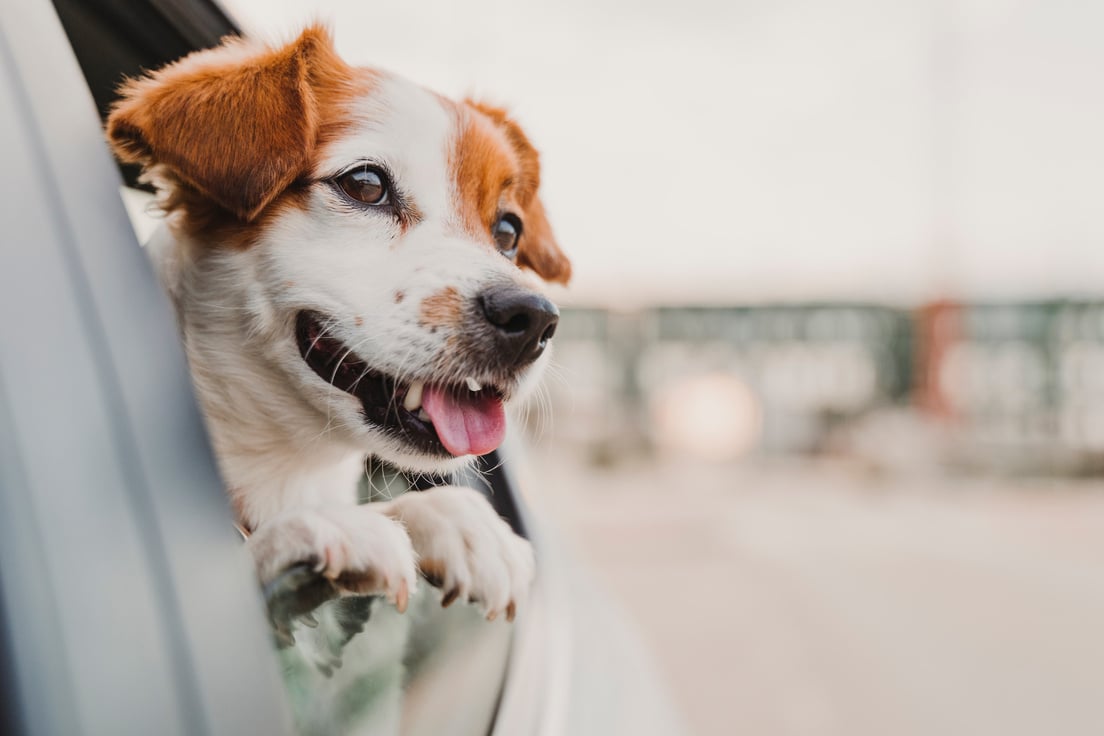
x=455 y=407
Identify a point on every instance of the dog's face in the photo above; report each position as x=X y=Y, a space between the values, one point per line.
x=383 y=238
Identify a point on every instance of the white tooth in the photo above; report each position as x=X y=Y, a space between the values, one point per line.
x=413 y=400
x=474 y=385
x=423 y=416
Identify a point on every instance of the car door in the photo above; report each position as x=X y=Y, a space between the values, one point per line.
x=128 y=605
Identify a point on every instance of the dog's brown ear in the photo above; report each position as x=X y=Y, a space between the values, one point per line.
x=238 y=122
x=537 y=248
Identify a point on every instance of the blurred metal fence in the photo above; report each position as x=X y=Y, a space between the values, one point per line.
x=1004 y=378
x=1029 y=376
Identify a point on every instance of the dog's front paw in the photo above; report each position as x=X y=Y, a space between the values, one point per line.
x=357 y=548
x=466 y=549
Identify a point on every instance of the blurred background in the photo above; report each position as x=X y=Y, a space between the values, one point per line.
x=827 y=418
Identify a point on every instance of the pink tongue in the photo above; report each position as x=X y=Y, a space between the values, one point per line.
x=466 y=425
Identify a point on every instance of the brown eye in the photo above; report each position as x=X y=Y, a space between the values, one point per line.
x=506 y=233
x=367 y=185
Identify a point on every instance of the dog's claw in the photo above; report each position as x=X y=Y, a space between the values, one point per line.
x=308 y=619
x=284 y=638
x=511 y=611
x=402 y=597
x=450 y=597
x=325 y=567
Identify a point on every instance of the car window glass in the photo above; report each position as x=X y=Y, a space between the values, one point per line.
x=357 y=666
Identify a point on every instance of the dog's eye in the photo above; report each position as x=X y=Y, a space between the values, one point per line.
x=367 y=185
x=506 y=233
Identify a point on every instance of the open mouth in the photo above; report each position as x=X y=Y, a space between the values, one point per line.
x=439 y=419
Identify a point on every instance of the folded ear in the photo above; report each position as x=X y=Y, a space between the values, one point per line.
x=537 y=248
x=237 y=122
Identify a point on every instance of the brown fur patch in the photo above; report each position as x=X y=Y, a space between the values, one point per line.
x=497 y=170
x=235 y=130
x=444 y=308
x=486 y=170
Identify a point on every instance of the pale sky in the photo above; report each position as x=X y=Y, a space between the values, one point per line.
x=780 y=149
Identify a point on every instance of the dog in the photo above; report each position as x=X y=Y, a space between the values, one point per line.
x=356 y=264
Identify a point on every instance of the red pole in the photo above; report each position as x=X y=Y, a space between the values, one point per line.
x=938 y=328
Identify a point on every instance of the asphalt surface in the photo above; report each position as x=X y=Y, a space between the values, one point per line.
x=791 y=599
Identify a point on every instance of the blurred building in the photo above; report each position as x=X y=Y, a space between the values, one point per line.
x=1015 y=386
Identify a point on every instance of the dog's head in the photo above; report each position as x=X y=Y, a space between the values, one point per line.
x=382 y=239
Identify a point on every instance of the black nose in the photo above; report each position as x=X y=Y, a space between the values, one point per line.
x=523 y=322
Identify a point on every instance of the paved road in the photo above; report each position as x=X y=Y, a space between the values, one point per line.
x=799 y=601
